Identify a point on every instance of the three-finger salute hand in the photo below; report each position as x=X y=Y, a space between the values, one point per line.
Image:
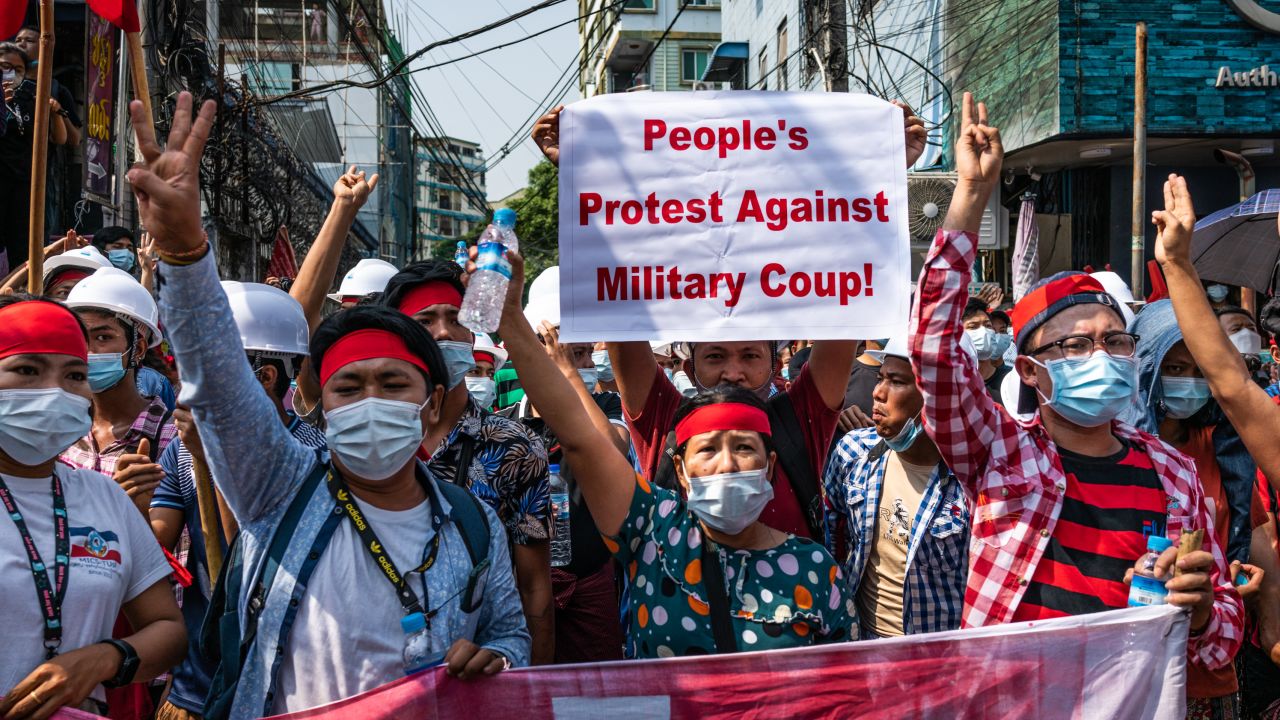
x=167 y=183
x=546 y=133
x=1176 y=223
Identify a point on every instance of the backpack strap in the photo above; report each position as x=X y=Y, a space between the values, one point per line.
x=473 y=525
x=222 y=639
x=665 y=475
x=155 y=441
x=793 y=454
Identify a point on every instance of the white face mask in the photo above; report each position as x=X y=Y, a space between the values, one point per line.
x=37 y=425
x=483 y=390
x=459 y=358
x=1246 y=341
x=374 y=438
x=729 y=502
x=982 y=338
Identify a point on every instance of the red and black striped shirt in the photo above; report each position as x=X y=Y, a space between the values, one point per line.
x=1112 y=505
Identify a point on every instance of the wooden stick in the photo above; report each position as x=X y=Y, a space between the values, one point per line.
x=138 y=72
x=1189 y=542
x=40 y=152
x=208 y=504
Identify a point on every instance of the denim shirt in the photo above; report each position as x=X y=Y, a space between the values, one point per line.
x=259 y=467
x=938 y=551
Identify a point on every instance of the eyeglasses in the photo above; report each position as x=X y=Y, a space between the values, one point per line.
x=11 y=66
x=1080 y=347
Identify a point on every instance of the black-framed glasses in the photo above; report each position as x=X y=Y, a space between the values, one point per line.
x=1080 y=347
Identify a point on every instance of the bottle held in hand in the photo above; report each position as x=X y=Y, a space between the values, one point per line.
x=460 y=255
x=561 y=552
x=1147 y=588
x=419 y=653
x=482 y=306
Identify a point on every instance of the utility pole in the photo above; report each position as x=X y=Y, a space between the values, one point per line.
x=835 y=47
x=1139 y=162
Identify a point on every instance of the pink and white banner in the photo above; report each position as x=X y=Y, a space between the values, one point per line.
x=1121 y=664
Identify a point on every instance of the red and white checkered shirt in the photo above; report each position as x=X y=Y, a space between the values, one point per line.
x=1013 y=472
x=155 y=424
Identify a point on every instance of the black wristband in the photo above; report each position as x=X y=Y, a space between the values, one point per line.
x=128 y=663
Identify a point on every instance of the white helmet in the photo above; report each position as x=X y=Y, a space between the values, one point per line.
x=269 y=320
x=86 y=258
x=544 y=299
x=115 y=291
x=484 y=344
x=1117 y=288
x=368 y=276
x=897 y=347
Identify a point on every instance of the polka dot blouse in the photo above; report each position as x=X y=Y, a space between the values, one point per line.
x=785 y=597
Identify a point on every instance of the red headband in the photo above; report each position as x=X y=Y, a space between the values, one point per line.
x=486 y=356
x=41 y=327
x=436 y=292
x=722 y=416
x=366 y=345
x=1040 y=301
x=73 y=274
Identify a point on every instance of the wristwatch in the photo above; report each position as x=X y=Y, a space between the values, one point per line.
x=128 y=664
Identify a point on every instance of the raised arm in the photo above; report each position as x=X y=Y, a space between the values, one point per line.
x=830 y=363
x=959 y=415
x=320 y=266
x=634 y=369
x=1251 y=411
x=606 y=478
x=255 y=461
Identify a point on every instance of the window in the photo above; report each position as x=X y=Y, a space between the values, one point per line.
x=782 y=54
x=692 y=64
x=763 y=69
x=640 y=5
x=446 y=226
x=703 y=3
x=274 y=20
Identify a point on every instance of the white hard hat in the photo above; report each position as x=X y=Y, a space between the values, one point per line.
x=1118 y=289
x=660 y=347
x=368 y=276
x=269 y=320
x=113 y=290
x=897 y=347
x=544 y=299
x=1010 y=391
x=86 y=258
x=484 y=343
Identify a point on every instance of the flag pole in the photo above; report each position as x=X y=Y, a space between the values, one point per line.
x=40 y=152
x=138 y=71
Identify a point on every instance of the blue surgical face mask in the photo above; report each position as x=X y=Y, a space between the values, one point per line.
x=483 y=390
x=105 y=371
x=1000 y=343
x=1184 y=396
x=603 y=365
x=121 y=258
x=729 y=502
x=1093 y=391
x=589 y=377
x=983 y=339
x=374 y=437
x=906 y=437
x=1217 y=293
x=459 y=358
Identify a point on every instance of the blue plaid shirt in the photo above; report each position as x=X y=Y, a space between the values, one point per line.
x=938 y=553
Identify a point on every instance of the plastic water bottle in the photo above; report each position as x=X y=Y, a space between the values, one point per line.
x=460 y=256
x=561 y=552
x=418 y=651
x=1147 y=588
x=482 y=306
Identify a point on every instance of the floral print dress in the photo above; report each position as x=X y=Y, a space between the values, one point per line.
x=785 y=597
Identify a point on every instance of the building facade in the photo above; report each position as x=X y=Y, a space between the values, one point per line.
x=451 y=195
x=660 y=45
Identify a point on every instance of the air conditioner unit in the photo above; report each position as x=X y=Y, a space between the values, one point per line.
x=712 y=85
x=929 y=197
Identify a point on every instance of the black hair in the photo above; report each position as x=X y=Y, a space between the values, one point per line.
x=1001 y=316
x=1233 y=310
x=373 y=317
x=109 y=234
x=10 y=47
x=716 y=395
x=419 y=273
x=281 y=385
x=28 y=27
x=15 y=298
x=973 y=307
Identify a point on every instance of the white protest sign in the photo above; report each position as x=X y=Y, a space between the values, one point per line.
x=732 y=216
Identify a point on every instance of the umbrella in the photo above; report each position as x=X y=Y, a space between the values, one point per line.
x=1026 y=249
x=1239 y=245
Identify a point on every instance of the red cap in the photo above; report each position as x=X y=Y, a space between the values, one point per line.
x=41 y=327
x=436 y=292
x=365 y=345
x=722 y=416
x=1053 y=297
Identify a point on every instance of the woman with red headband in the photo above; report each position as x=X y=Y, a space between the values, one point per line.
x=71 y=535
x=706 y=576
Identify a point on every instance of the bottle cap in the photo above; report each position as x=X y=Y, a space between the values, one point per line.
x=504 y=216
x=412 y=623
x=553 y=468
x=1159 y=543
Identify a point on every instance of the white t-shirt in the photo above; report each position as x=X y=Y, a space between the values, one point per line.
x=114 y=558
x=347 y=638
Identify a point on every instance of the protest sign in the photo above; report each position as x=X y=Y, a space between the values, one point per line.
x=1122 y=665
x=732 y=216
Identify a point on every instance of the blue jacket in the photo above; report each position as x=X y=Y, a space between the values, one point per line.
x=259 y=468
x=1158 y=331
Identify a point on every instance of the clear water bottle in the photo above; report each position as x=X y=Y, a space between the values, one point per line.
x=561 y=552
x=1147 y=588
x=482 y=306
x=419 y=652
x=461 y=256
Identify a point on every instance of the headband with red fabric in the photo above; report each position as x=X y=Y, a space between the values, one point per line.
x=722 y=416
x=41 y=327
x=366 y=345
x=435 y=292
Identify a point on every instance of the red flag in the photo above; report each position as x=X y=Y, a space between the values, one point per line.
x=283 y=264
x=12 y=14
x=121 y=13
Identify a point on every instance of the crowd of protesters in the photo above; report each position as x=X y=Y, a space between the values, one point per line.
x=348 y=476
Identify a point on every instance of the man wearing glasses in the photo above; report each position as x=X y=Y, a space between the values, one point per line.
x=1064 y=502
